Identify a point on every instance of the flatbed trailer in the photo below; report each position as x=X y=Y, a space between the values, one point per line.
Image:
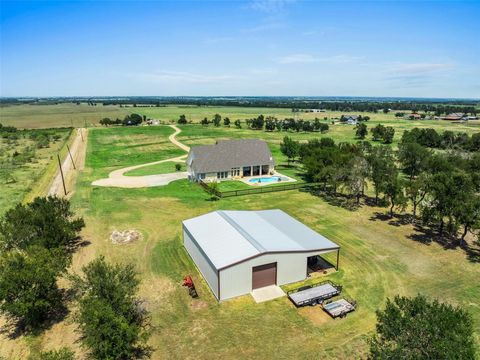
x=339 y=308
x=314 y=294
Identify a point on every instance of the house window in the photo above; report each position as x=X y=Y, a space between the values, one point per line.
x=222 y=175
x=236 y=172
x=201 y=176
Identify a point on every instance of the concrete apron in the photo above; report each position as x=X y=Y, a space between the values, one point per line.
x=267 y=293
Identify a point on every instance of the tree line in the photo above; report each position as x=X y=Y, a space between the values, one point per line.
x=128 y=120
x=267 y=123
x=37 y=241
x=444 y=187
x=445 y=140
x=438 y=107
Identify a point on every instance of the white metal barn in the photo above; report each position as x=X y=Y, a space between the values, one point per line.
x=239 y=251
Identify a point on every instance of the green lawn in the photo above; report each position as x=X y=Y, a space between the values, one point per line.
x=162 y=168
x=379 y=259
x=116 y=147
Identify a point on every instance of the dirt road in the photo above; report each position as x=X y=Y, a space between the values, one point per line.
x=117 y=178
x=78 y=151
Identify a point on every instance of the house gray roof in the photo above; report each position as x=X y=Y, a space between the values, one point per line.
x=230 y=237
x=228 y=154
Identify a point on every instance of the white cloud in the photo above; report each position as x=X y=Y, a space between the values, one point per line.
x=307 y=58
x=269 y=6
x=297 y=59
x=420 y=68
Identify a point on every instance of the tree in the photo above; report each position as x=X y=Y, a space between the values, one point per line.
x=413 y=157
x=217 y=119
x=416 y=190
x=394 y=190
x=204 y=121
x=238 y=124
x=111 y=319
x=356 y=178
x=361 y=131
x=226 y=122
x=270 y=124
x=380 y=160
x=47 y=222
x=323 y=128
x=377 y=132
x=388 y=135
x=415 y=328
x=466 y=209
x=178 y=167
x=182 y=119
x=290 y=148
x=28 y=285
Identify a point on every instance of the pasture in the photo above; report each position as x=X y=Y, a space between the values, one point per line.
x=25 y=167
x=380 y=257
x=61 y=115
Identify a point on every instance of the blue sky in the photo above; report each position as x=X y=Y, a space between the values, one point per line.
x=260 y=47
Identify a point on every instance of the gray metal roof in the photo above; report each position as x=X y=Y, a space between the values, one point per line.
x=229 y=237
x=228 y=154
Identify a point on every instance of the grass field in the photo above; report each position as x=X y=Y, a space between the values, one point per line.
x=19 y=180
x=379 y=258
x=61 y=115
x=162 y=168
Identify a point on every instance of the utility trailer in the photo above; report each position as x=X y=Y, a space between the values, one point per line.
x=339 y=308
x=314 y=294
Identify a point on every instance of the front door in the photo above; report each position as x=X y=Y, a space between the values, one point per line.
x=264 y=275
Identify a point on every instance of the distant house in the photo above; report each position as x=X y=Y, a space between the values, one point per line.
x=318 y=110
x=229 y=159
x=412 y=116
x=456 y=117
x=349 y=119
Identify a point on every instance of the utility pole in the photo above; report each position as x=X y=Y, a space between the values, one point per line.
x=71 y=158
x=61 y=173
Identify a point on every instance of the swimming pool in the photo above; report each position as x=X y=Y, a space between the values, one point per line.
x=268 y=179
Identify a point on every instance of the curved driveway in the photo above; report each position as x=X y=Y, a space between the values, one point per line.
x=117 y=178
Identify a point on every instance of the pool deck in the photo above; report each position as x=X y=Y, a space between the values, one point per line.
x=246 y=180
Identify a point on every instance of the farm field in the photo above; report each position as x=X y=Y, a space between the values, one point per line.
x=61 y=115
x=379 y=259
x=23 y=164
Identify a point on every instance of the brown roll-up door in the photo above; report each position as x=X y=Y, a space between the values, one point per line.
x=264 y=275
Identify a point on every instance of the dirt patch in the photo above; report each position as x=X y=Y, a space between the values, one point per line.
x=126 y=236
x=197 y=304
x=315 y=314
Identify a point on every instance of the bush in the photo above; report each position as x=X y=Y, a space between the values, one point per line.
x=178 y=167
x=62 y=354
x=111 y=320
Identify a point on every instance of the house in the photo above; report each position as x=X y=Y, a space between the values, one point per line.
x=317 y=110
x=240 y=251
x=349 y=119
x=228 y=159
x=455 y=117
x=412 y=116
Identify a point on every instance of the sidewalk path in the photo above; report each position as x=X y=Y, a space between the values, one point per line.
x=117 y=178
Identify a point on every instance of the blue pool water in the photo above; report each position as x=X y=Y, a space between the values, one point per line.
x=268 y=179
